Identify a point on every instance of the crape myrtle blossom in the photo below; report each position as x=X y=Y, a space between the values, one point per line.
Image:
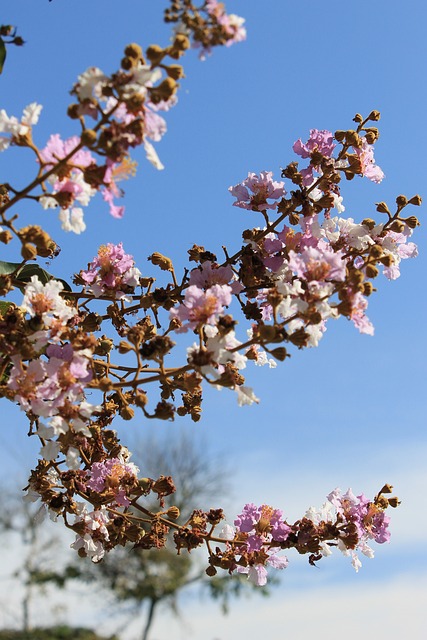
x=45 y=386
x=114 y=476
x=111 y=272
x=229 y=25
x=369 y=168
x=12 y=129
x=320 y=143
x=256 y=527
x=93 y=533
x=252 y=194
x=201 y=307
x=396 y=245
x=71 y=185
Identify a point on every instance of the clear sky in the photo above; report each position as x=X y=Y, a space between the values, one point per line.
x=351 y=412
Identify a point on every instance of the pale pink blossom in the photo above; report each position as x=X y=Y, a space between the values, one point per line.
x=253 y=193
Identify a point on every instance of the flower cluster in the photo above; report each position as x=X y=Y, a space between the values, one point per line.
x=208 y=26
x=112 y=272
x=305 y=265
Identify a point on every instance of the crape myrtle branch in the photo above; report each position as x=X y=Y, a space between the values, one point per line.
x=76 y=360
x=116 y=114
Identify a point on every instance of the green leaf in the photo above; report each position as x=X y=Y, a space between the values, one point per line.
x=2 y=54
x=6 y=268
x=25 y=273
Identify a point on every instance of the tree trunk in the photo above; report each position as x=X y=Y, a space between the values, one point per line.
x=150 y=618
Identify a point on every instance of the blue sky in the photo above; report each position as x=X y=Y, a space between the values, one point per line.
x=349 y=413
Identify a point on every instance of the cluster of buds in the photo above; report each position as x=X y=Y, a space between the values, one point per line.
x=208 y=26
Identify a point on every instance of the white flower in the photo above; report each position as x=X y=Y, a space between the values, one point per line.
x=245 y=395
x=73 y=459
x=50 y=450
x=90 y=83
x=72 y=220
x=152 y=156
x=31 y=114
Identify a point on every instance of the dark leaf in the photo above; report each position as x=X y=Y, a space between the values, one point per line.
x=2 y=54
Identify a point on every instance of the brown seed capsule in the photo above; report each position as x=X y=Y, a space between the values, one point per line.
x=371 y=271
x=161 y=261
x=105 y=384
x=88 y=137
x=127 y=413
x=374 y=115
x=133 y=50
x=398 y=226
x=401 y=201
x=368 y=222
x=412 y=222
x=368 y=288
x=127 y=63
x=376 y=251
x=415 y=200
x=387 y=260
x=173 y=513
x=28 y=251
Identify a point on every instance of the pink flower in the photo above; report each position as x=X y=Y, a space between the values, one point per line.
x=320 y=141
x=318 y=264
x=202 y=307
x=57 y=149
x=359 y=318
x=370 y=170
x=112 y=474
x=252 y=193
x=111 y=271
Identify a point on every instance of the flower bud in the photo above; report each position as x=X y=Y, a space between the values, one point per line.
x=401 y=201
x=133 y=50
x=127 y=413
x=88 y=137
x=387 y=488
x=173 y=513
x=5 y=236
x=155 y=53
x=415 y=200
x=352 y=137
x=211 y=571
x=105 y=384
x=376 y=251
x=368 y=222
x=279 y=353
x=140 y=399
x=161 y=261
x=394 y=502
x=371 y=271
x=368 y=288
x=124 y=347
x=358 y=118
x=127 y=63
x=339 y=136
x=382 y=208
x=28 y=251
x=374 y=115
x=398 y=226
x=175 y=71
x=412 y=222
x=73 y=111
x=387 y=260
